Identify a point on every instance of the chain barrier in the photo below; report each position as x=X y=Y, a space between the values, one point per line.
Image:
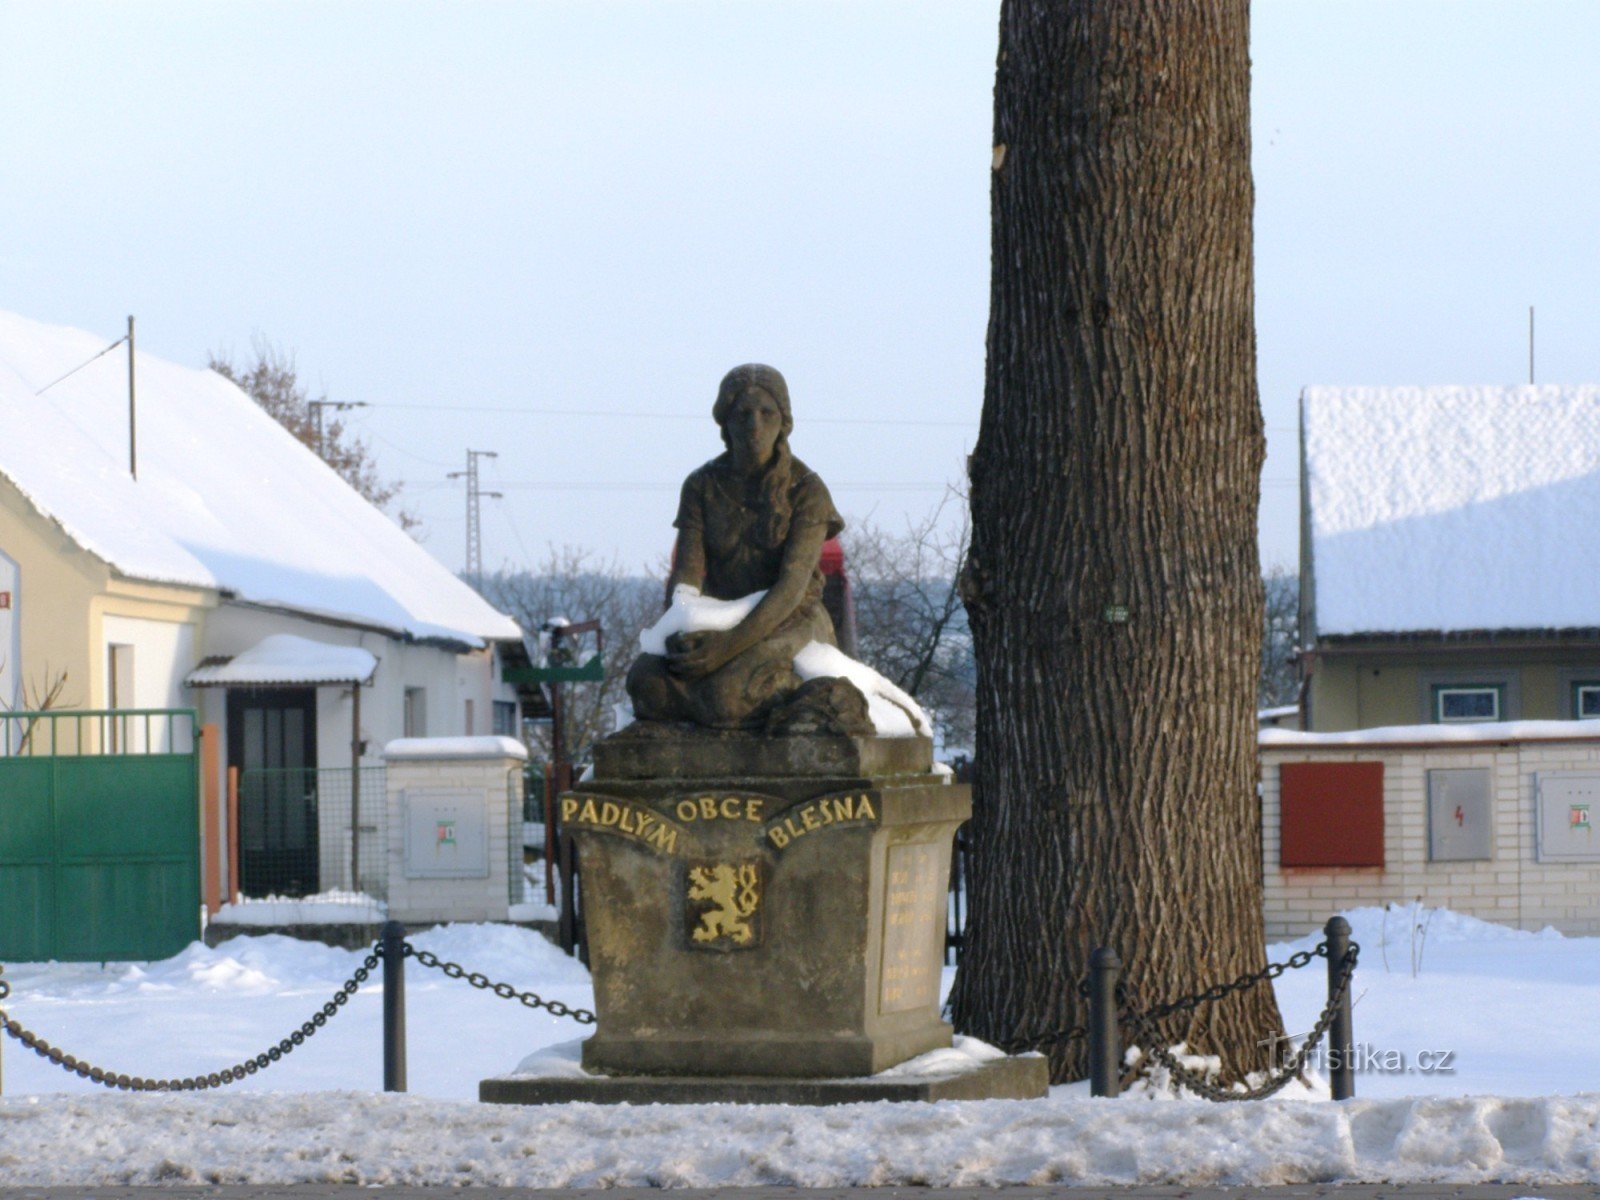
x=194 y=1083
x=504 y=990
x=1143 y=1025
x=1056 y=1037
x=1244 y=983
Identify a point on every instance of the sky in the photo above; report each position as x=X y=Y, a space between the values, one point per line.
x=546 y=229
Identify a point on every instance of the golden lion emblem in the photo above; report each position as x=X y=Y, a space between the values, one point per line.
x=734 y=893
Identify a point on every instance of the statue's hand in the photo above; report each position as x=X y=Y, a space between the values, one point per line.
x=696 y=655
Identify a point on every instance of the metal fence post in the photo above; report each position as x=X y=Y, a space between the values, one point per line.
x=567 y=918
x=392 y=949
x=1341 y=1035
x=1105 y=1055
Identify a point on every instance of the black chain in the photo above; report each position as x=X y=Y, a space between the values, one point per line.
x=1056 y=1037
x=504 y=990
x=194 y=1083
x=1241 y=984
x=1147 y=1034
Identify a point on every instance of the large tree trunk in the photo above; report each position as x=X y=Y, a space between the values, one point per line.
x=1113 y=583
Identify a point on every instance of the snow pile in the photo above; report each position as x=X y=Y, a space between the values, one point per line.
x=893 y=712
x=285 y=658
x=324 y=908
x=356 y=1138
x=226 y=497
x=1453 y=508
x=1477 y=731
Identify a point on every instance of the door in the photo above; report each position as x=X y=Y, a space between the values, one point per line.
x=272 y=739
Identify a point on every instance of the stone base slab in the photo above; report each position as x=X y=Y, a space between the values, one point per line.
x=1016 y=1077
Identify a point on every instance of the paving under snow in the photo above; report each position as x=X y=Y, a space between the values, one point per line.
x=1516 y=1099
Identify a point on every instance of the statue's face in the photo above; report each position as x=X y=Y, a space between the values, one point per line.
x=754 y=424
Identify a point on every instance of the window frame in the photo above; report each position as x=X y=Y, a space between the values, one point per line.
x=506 y=716
x=1440 y=690
x=1579 y=686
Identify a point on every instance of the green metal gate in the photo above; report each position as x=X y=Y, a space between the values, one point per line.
x=99 y=834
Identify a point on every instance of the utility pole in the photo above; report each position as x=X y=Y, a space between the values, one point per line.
x=1530 y=343
x=133 y=445
x=474 y=514
x=316 y=407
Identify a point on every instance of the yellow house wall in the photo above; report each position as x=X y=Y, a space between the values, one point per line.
x=58 y=583
x=1368 y=691
x=63 y=597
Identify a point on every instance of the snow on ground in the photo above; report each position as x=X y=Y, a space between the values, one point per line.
x=335 y=907
x=1512 y=1010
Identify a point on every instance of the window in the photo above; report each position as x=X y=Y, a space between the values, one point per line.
x=119 y=693
x=1586 y=701
x=505 y=718
x=469 y=730
x=415 y=723
x=1466 y=702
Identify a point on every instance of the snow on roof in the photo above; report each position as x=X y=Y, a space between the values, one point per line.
x=226 y=497
x=1453 y=508
x=1475 y=731
x=285 y=658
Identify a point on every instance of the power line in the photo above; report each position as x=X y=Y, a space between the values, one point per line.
x=659 y=416
x=591 y=485
x=83 y=364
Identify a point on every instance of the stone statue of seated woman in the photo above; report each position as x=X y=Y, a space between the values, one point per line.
x=751 y=521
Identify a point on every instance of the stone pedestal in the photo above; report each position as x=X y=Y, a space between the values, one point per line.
x=764 y=906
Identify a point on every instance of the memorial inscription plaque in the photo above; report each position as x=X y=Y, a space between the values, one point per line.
x=913 y=919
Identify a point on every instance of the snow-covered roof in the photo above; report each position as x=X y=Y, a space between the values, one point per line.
x=1451 y=509
x=226 y=497
x=283 y=658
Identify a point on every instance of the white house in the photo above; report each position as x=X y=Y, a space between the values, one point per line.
x=195 y=554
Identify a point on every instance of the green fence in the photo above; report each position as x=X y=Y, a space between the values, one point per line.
x=99 y=834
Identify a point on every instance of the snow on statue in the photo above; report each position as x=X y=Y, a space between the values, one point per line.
x=746 y=642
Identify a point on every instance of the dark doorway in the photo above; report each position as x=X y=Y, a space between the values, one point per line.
x=272 y=739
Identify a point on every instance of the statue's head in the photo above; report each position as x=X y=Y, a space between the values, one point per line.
x=740 y=381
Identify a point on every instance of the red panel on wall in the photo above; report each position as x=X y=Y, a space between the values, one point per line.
x=1332 y=814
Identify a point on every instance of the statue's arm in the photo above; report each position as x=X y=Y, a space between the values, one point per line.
x=705 y=651
x=800 y=555
x=689 y=562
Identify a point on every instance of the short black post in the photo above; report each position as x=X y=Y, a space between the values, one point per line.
x=567 y=917
x=1341 y=1034
x=1105 y=1055
x=392 y=949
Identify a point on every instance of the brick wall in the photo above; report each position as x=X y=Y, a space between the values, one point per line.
x=1511 y=888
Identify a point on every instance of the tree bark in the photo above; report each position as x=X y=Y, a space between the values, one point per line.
x=1113 y=584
